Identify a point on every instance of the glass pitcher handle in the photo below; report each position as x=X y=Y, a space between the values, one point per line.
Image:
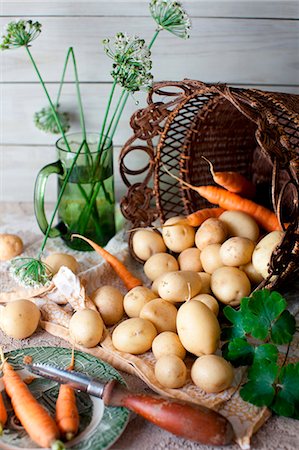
x=39 y=196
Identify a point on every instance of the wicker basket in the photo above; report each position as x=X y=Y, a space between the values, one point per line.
x=250 y=131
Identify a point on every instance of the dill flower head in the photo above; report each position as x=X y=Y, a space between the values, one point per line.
x=45 y=120
x=132 y=62
x=171 y=16
x=20 y=33
x=30 y=272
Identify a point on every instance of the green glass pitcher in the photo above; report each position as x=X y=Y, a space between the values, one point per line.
x=87 y=204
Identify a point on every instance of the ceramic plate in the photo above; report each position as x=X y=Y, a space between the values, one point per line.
x=100 y=426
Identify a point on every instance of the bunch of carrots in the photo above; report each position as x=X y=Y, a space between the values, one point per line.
x=42 y=428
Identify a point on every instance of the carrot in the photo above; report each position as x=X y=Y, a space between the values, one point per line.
x=3 y=414
x=233 y=182
x=228 y=200
x=124 y=274
x=38 y=423
x=198 y=217
x=67 y=415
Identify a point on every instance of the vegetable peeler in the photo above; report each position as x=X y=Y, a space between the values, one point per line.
x=187 y=420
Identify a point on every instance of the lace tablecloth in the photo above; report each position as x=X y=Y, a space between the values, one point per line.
x=278 y=433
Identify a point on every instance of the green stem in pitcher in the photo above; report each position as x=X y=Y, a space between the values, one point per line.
x=106 y=114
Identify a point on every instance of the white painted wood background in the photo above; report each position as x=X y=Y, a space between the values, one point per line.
x=243 y=43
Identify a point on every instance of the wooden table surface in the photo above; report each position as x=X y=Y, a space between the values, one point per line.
x=278 y=433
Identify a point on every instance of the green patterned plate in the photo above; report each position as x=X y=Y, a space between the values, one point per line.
x=100 y=426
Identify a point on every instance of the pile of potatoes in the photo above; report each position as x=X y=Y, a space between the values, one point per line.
x=191 y=271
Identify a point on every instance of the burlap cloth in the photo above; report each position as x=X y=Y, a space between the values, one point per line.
x=276 y=433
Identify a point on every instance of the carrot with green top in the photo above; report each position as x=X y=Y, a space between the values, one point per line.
x=233 y=182
x=124 y=274
x=38 y=423
x=3 y=414
x=67 y=415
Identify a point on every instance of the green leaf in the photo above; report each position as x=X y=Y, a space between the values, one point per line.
x=259 y=390
x=286 y=402
x=262 y=309
x=265 y=353
x=283 y=329
x=237 y=330
x=240 y=352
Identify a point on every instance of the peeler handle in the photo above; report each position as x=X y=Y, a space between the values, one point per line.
x=184 y=419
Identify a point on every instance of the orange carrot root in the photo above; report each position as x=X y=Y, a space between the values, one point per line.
x=3 y=414
x=38 y=423
x=233 y=181
x=124 y=274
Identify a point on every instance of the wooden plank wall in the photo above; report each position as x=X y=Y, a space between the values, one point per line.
x=243 y=43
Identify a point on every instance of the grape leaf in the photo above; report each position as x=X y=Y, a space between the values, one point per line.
x=240 y=352
x=236 y=318
x=259 y=389
x=286 y=402
x=262 y=310
x=283 y=328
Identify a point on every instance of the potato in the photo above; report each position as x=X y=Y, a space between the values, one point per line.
x=168 y=343
x=146 y=243
x=229 y=285
x=109 y=302
x=240 y=224
x=211 y=231
x=212 y=373
x=171 y=371
x=57 y=260
x=86 y=327
x=189 y=259
x=158 y=264
x=19 y=319
x=179 y=286
x=205 y=282
x=10 y=246
x=161 y=313
x=253 y=275
x=134 y=336
x=210 y=258
x=136 y=298
x=236 y=251
x=198 y=328
x=208 y=300
x=177 y=237
x=263 y=251
x=155 y=285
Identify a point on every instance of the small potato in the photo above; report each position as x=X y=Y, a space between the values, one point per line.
x=205 y=282
x=136 y=298
x=212 y=373
x=198 y=328
x=161 y=313
x=57 y=260
x=253 y=275
x=134 y=336
x=177 y=237
x=179 y=286
x=146 y=243
x=230 y=285
x=158 y=264
x=168 y=343
x=240 y=224
x=171 y=371
x=86 y=327
x=189 y=259
x=208 y=300
x=19 y=319
x=109 y=302
x=212 y=231
x=263 y=251
x=210 y=258
x=236 y=251
x=10 y=246
x=155 y=285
